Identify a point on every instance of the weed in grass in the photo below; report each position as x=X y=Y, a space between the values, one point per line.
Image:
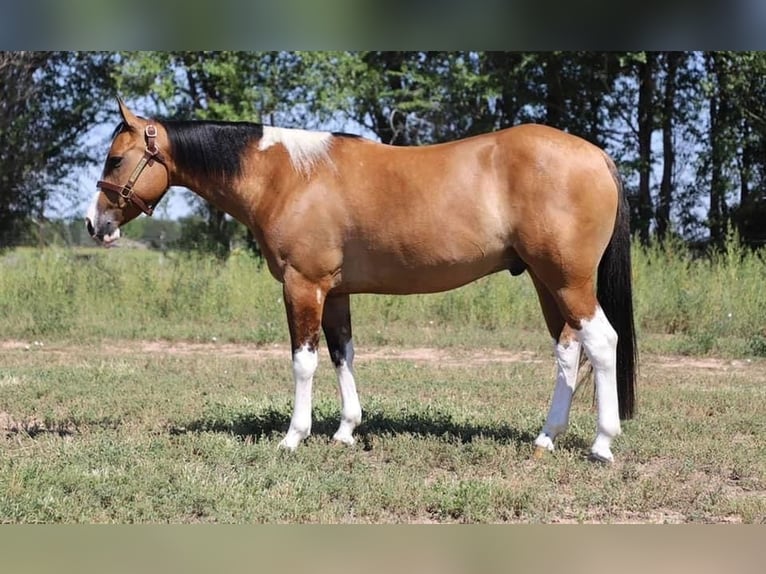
x=757 y=345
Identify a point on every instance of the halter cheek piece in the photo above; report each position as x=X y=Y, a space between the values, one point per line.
x=151 y=154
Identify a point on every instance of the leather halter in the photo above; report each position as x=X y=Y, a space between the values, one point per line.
x=151 y=154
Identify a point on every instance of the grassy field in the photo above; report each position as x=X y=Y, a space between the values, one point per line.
x=136 y=387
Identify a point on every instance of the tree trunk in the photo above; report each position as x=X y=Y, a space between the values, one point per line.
x=645 y=128
x=719 y=109
x=746 y=163
x=390 y=126
x=554 y=97
x=672 y=60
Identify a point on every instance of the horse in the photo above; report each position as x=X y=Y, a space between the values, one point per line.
x=336 y=214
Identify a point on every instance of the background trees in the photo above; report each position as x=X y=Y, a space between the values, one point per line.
x=47 y=101
x=686 y=128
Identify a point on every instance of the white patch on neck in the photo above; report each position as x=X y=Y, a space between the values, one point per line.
x=306 y=148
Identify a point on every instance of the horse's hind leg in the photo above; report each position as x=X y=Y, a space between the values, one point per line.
x=336 y=323
x=599 y=341
x=566 y=348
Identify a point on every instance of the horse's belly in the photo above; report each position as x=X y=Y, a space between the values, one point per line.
x=396 y=275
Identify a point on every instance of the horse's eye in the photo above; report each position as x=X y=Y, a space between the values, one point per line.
x=113 y=162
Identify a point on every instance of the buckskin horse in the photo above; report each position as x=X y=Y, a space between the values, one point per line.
x=335 y=214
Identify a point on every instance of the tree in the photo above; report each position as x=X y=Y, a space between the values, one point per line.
x=646 y=124
x=48 y=101
x=671 y=62
x=708 y=107
x=733 y=160
x=749 y=94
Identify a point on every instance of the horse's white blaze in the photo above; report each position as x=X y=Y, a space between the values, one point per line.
x=599 y=341
x=306 y=148
x=305 y=362
x=567 y=362
x=351 y=410
x=98 y=219
x=91 y=213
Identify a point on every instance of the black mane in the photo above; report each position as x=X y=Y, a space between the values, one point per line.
x=211 y=147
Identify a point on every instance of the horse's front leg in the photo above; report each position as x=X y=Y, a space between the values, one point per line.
x=304 y=300
x=336 y=323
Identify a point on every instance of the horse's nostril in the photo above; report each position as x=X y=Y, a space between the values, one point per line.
x=89 y=226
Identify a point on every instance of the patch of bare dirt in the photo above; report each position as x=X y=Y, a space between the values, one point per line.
x=419 y=354
x=442 y=356
x=14 y=345
x=280 y=351
x=702 y=363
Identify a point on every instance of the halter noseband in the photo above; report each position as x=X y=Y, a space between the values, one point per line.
x=151 y=154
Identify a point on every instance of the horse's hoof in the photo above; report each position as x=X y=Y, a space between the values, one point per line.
x=601 y=458
x=291 y=441
x=600 y=450
x=284 y=445
x=540 y=452
x=344 y=439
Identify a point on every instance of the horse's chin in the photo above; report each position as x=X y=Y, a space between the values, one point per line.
x=109 y=240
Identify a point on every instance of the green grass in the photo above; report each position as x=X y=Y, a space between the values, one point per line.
x=92 y=434
x=98 y=425
x=94 y=294
x=683 y=305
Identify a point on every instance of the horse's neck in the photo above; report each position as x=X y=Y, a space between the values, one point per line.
x=209 y=157
x=219 y=193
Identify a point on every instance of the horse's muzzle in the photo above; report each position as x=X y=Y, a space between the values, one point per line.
x=103 y=234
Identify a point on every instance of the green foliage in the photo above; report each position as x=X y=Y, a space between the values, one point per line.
x=707 y=300
x=49 y=102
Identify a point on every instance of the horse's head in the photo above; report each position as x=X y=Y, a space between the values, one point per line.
x=134 y=179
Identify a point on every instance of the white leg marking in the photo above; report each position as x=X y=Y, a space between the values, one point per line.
x=351 y=410
x=567 y=361
x=304 y=365
x=599 y=340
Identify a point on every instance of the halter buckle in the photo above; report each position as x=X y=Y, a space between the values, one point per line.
x=151 y=133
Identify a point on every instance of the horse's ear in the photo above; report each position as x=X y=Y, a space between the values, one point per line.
x=127 y=116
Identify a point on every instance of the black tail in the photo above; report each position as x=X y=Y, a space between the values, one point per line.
x=615 y=295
